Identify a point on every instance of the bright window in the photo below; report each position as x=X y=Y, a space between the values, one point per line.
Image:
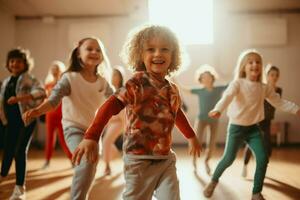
x=192 y=20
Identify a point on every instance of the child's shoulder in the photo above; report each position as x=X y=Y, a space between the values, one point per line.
x=27 y=76
x=138 y=77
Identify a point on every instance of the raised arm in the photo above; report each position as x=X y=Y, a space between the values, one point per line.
x=284 y=105
x=225 y=100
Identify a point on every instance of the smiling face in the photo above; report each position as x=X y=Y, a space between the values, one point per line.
x=253 y=67
x=16 y=66
x=157 y=55
x=272 y=77
x=90 y=53
x=207 y=79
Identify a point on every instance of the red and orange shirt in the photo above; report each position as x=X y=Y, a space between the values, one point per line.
x=151 y=107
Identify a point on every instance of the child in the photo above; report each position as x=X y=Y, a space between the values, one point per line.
x=82 y=90
x=272 y=73
x=53 y=118
x=208 y=96
x=152 y=108
x=245 y=97
x=116 y=124
x=19 y=92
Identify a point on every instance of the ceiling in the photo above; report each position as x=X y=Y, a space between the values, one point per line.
x=69 y=7
x=86 y=8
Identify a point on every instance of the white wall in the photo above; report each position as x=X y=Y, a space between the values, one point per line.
x=50 y=41
x=7 y=39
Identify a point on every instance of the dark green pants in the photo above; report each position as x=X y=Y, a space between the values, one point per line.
x=235 y=138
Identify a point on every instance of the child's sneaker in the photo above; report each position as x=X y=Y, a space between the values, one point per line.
x=209 y=189
x=244 y=171
x=257 y=196
x=18 y=193
x=46 y=165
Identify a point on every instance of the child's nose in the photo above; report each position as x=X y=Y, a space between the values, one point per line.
x=13 y=63
x=157 y=52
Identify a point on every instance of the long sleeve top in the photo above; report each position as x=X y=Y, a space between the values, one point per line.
x=80 y=98
x=151 y=113
x=26 y=84
x=245 y=102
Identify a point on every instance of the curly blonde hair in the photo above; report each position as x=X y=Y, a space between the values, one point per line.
x=242 y=61
x=132 y=51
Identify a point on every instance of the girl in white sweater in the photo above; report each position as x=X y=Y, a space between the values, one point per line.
x=244 y=98
x=82 y=89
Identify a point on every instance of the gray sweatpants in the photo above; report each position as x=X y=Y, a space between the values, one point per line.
x=143 y=177
x=84 y=173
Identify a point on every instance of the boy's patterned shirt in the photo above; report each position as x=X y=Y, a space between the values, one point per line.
x=151 y=108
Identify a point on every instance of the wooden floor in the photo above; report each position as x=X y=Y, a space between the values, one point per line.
x=282 y=180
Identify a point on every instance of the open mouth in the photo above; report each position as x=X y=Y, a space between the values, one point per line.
x=158 y=62
x=94 y=58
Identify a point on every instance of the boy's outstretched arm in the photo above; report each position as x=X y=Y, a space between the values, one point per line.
x=89 y=145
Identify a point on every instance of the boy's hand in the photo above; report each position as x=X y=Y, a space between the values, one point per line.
x=194 y=147
x=86 y=147
x=214 y=114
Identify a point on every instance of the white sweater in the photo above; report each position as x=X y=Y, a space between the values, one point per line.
x=245 y=101
x=80 y=99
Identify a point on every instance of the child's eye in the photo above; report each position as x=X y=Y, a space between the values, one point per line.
x=150 y=49
x=165 y=49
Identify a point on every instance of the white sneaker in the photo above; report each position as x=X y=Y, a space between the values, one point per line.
x=18 y=193
x=244 y=171
x=257 y=196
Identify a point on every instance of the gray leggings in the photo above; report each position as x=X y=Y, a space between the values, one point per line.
x=84 y=173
